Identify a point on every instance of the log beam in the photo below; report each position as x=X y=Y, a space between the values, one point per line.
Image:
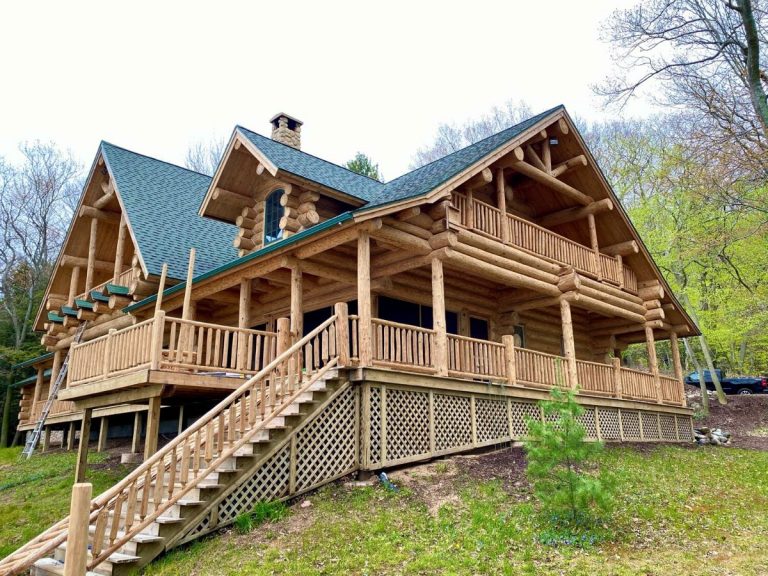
x=547 y=180
x=577 y=213
x=621 y=249
x=96 y=214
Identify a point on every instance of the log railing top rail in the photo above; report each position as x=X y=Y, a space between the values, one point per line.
x=247 y=411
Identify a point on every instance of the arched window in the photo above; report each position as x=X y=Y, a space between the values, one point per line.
x=272 y=213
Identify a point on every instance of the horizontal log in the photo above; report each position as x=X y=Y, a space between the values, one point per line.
x=84 y=315
x=245 y=222
x=571 y=214
x=494 y=247
x=408 y=228
x=103 y=201
x=569 y=281
x=482 y=178
x=553 y=183
x=508 y=264
x=655 y=314
x=408 y=213
x=99 y=327
x=545 y=302
x=104 y=216
x=232 y=197
x=563 y=167
x=309 y=219
x=72 y=261
x=651 y=292
x=337 y=238
x=244 y=243
x=613 y=300
x=55 y=301
x=603 y=307
x=401 y=239
x=309 y=196
x=499 y=274
x=289 y=201
x=289 y=224
x=609 y=289
x=621 y=249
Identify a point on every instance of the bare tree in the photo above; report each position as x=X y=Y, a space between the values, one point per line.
x=450 y=137
x=707 y=56
x=204 y=157
x=35 y=208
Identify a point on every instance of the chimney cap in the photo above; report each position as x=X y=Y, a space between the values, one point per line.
x=279 y=115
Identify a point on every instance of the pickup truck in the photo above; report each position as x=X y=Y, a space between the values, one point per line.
x=744 y=385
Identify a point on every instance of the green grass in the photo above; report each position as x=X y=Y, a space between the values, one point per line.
x=679 y=511
x=35 y=493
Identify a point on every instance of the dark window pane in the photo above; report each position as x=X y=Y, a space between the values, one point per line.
x=478 y=328
x=451 y=322
x=272 y=214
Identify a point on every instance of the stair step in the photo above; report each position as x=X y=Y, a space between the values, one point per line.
x=51 y=567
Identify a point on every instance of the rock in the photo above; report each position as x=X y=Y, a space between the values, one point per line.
x=306 y=504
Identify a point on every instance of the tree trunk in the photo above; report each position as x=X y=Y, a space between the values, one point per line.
x=6 y=425
x=702 y=383
x=707 y=353
x=752 y=57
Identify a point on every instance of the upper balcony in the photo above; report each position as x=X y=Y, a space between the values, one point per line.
x=488 y=220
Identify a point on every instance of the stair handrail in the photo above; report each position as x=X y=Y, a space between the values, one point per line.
x=54 y=536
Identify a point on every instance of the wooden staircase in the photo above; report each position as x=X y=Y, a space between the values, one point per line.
x=163 y=501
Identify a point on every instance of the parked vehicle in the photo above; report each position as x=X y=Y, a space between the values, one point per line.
x=736 y=385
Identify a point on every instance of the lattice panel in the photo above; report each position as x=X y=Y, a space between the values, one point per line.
x=630 y=422
x=684 y=428
x=610 y=429
x=453 y=421
x=587 y=419
x=326 y=447
x=375 y=425
x=203 y=526
x=492 y=419
x=668 y=427
x=650 y=425
x=520 y=412
x=407 y=423
x=270 y=482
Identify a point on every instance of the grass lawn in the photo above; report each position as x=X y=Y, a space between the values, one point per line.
x=35 y=493
x=680 y=511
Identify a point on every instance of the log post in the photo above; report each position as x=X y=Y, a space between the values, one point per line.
x=620 y=264
x=297 y=293
x=568 y=343
x=509 y=358
x=120 y=249
x=161 y=288
x=47 y=439
x=153 y=427
x=501 y=201
x=283 y=335
x=136 y=439
x=364 y=297
x=82 y=452
x=440 y=353
x=106 y=360
x=76 y=554
x=342 y=332
x=158 y=330
x=74 y=282
x=677 y=364
x=103 y=433
x=185 y=311
x=243 y=322
x=617 y=377
x=469 y=217
x=653 y=361
x=595 y=247
x=91 y=254
x=54 y=370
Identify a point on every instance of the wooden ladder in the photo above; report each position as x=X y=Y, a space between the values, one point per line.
x=34 y=438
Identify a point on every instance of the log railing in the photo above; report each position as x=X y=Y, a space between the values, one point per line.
x=128 y=508
x=638 y=385
x=540 y=370
x=671 y=392
x=396 y=344
x=596 y=378
x=58 y=407
x=487 y=219
x=475 y=358
x=165 y=343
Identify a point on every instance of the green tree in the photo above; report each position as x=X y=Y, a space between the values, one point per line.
x=362 y=164
x=572 y=495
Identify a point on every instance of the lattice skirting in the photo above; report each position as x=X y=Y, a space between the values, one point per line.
x=323 y=448
x=403 y=425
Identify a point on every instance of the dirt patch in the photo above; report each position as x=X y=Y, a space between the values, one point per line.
x=745 y=417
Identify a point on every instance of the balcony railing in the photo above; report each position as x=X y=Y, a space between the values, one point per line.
x=488 y=220
x=165 y=343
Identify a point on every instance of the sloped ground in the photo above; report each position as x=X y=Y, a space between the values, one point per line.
x=680 y=511
x=745 y=417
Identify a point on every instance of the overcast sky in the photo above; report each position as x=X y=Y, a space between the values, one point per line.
x=376 y=77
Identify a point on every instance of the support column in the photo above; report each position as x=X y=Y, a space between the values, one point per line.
x=440 y=353
x=568 y=343
x=510 y=368
x=153 y=427
x=120 y=250
x=91 y=254
x=595 y=247
x=71 y=436
x=181 y=419
x=47 y=439
x=103 y=433
x=82 y=452
x=244 y=322
x=653 y=361
x=38 y=386
x=677 y=364
x=76 y=553
x=54 y=370
x=74 y=283
x=136 y=440
x=501 y=202
x=364 y=298
x=297 y=312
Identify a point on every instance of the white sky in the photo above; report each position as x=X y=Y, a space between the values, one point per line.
x=156 y=76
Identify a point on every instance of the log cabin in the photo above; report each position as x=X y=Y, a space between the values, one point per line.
x=288 y=322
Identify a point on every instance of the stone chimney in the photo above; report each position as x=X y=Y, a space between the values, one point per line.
x=286 y=130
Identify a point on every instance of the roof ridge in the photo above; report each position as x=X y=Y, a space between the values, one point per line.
x=544 y=113
x=308 y=154
x=155 y=159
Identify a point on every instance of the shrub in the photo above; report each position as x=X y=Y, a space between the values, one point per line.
x=262 y=512
x=572 y=494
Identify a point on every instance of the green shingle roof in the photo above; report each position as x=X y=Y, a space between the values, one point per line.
x=161 y=202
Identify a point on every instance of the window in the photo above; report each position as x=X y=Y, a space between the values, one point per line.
x=272 y=213
x=520 y=336
x=414 y=314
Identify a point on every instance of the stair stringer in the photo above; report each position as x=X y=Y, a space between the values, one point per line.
x=290 y=468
